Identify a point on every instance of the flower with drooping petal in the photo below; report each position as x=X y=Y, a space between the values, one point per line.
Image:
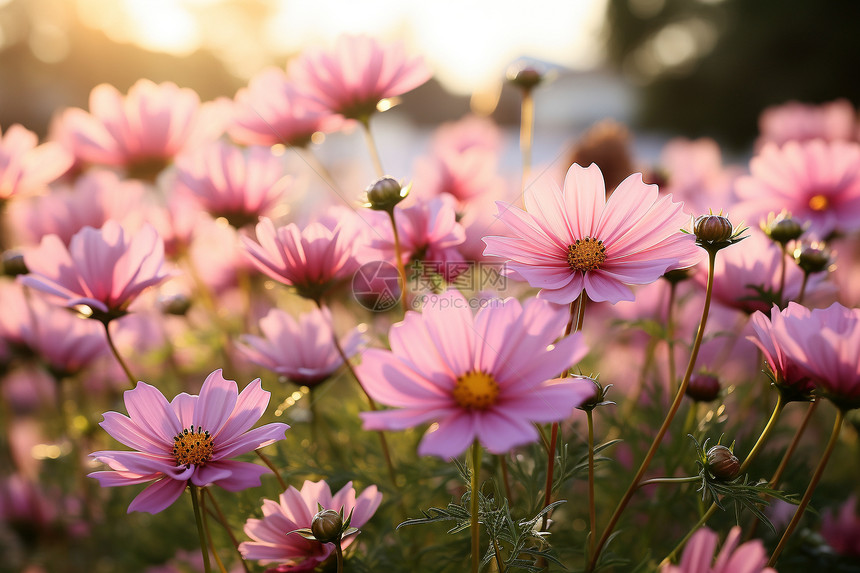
x=275 y=544
x=104 y=269
x=142 y=130
x=187 y=440
x=817 y=182
x=311 y=259
x=302 y=350
x=841 y=530
x=698 y=556
x=796 y=121
x=487 y=377
x=576 y=240
x=271 y=110
x=25 y=166
x=825 y=344
x=239 y=185
x=358 y=73
x=785 y=371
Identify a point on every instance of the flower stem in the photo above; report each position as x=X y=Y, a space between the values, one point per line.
x=223 y=521
x=670 y=332
x=592 y=514
x=398 y=257
x=527 y=118
x=476 y=470
x=506 y=480
x=272 y=467
x=195 y=502
x=781 y=291
x=771 y=423
x=694 y=354
x=499 y=565
x=371 y=145
x=652 y=481
x=816 y=476
x=803 y=288
x=338 y=551
x=116 y=354
x=209 y=534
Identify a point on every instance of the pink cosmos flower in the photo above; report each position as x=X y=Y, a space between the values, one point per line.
x=190 y=439
x=302 y=350
x=698 y=556
x=817 y=182
x=143 y=130
x=274 y=544
x=825 y=344
x=104 y=269
x=25 y=166
x=231 y=183
x=310 y=260
x=696 y=175
x=783 y=367
x=465 y=175
x=485 y=377
x=95 y=198
x=469 y=133
x=576 y=240
x=841 y=530
x=795 y=121
x=353 y=78
x=271 y=110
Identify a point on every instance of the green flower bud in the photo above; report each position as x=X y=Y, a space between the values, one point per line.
x=782 y=228
x=722 y=463
x=713 y=228
x=813 y=258
x=384 y=193
x=327 y=526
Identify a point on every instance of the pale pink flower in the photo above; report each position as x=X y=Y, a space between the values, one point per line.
x=142 y=130
x=275 y=544
x=472 y=132
x=271 y=110
x=311 y=259
x=303 y=351
x=841 y=530
x=696 y=175
x=27 y=167
x=465 y=175
x=188 y=440
x=239 y=185
x=698 y=556
x=785 y=370
x=104 y=269
x=574 y=240
x=358 y=73
x=95 y=198
x=825 y=344
x=487 y=377
x=817 y=182
x=795 y=121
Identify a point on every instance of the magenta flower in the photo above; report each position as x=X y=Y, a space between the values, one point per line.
x=25 y=166
x=231 y=183
x=302 y=350
x=273 y=543
x=574 y=240
x=353 y=78
x=190 y=439
x=143 y=130
x=825 y=344
x=817 y=182
x=698 y=556
x=841 y=530
x=786 y=372
x=271 y=110
x=311 y=260
x=104 y=269
x=486 y=377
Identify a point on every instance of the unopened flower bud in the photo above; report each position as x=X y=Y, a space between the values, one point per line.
x=676 y=276
x=524 y=76
x=385 y=193
x=782 y=228
x=713 y=228
x=703 y=387
x=812 y=258
x=13 y=264
x=327 y=526
x=177 y=304
x=722 y=463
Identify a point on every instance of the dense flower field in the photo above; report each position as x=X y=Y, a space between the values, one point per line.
x=220 y=353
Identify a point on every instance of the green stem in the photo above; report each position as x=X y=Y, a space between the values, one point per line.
x=777 y=475
x=592 y=514
x=209 y=533
x=119 y=359
x=652 y=481
x=506 y=480
x=670 y=333
x=476 y=540
x=499 y=565
x=338 y=551
x=781 y=291
x=371 y=145
x=398 y=258
x=816 y=477
x=195 y=502
x=694 y=354
x=223 y=521
x=272 y=467
x=803 y=288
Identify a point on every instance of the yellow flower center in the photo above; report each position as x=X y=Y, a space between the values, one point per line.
x=476 y=390
x=818 y=202
x=586 y=254
x=192 y=447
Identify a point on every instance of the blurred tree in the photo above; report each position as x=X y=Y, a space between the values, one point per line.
x=709 y=67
